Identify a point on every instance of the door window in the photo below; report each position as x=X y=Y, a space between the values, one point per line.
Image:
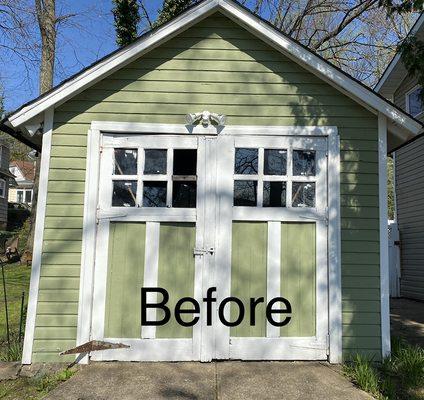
x=274 y=177
x=154 y=178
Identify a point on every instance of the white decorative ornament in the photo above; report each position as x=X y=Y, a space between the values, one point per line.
x=206 y=118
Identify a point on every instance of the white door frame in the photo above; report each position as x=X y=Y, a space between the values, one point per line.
x=85 y=309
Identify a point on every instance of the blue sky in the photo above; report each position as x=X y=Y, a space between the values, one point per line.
x=82 y=40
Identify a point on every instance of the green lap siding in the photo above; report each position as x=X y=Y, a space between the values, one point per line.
x=249 y=275
x=218 y=66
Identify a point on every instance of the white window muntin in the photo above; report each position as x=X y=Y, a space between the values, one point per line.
x=142 y=143
x=289 y=144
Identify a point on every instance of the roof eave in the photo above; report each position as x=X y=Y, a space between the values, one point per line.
x=18 y=135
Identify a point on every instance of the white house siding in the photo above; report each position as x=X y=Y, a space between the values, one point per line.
x=410 y=214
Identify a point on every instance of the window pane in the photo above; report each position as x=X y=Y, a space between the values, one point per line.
x=303 y=162
x=184 y=194
x=185 y=162
x=303 y=194
x=416 y=105
x=245 y=193
x=246 y=161
x=28 y=196
x=125 y=162
x=124 y=193
x=20 y=194
x=274 y=194
x=275 y=162
x=154 y=194
x=155 y=161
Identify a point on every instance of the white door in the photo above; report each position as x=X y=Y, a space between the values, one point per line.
x=272 y=242
x=150 y=234
x=244 y=214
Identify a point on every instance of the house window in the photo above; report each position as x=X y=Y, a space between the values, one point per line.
x=28 y=196
x=414 y=102
x=154 y=178
x=20 y=196
x=2 y=188
x=274 y=177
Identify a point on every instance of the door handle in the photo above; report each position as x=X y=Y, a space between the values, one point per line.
x=202 y=251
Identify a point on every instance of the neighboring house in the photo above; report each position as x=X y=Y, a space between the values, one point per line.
x=24 y=172
x=141 y=187
x=395 y=84
x=5 y=176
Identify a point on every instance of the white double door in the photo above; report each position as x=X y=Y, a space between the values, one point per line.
x=259 y=201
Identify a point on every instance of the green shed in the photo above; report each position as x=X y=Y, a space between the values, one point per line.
x=220 y=161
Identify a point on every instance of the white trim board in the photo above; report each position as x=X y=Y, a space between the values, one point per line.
x=136 y=127
x=38 y=238
x=240 y=15
x=384 y=241
x=334 y=251
x=88 y=236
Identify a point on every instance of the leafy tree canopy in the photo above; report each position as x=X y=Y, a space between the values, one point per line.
x=170 y=9
x=126 y=16
x=411 y=49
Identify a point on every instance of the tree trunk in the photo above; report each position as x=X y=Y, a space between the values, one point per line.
x=46 y=16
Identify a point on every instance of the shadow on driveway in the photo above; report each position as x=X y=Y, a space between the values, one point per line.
x=407 y=320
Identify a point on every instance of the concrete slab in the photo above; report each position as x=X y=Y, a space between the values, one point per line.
x=283 y=380
x=220 y=380
x=407 y=320
x=38 y=370
x=100 y=381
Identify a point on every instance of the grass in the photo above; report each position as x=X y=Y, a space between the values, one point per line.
x=399 y=377
x=33 y=388
x=17 y=281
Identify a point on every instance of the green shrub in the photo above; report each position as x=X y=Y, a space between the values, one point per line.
x=397 y=377
x=407 y=363
x=23 y=233
x=361 y=371
x=49 y=382
x=12 y=352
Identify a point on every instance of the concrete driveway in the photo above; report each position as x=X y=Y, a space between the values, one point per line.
x=218 y=380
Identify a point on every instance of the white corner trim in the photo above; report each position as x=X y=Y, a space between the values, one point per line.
x=280 y=42
x=384 y=242
x=88 y=240
x=38 y=237
x=334 y=250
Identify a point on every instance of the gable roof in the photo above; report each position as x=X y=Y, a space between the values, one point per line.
x=27 y=168
x=398 y=119
x=396 y=72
